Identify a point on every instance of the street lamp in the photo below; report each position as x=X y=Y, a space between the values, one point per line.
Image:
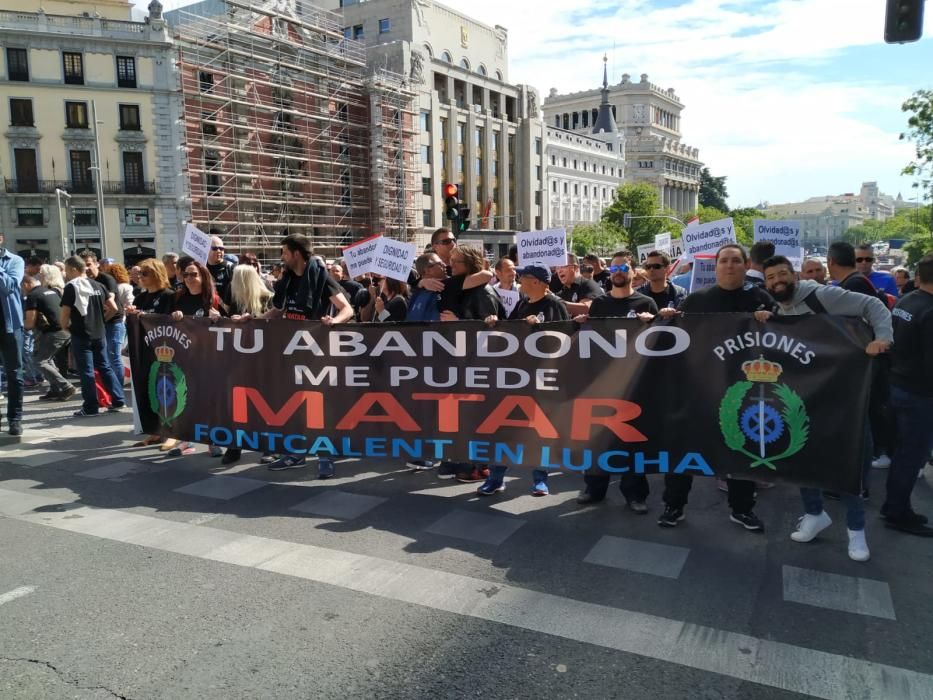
x=99 y=182
x=627 y=218
x=59 y=193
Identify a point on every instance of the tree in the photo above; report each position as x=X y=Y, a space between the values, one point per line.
x=713 y=191
x=920 y=132
x=637 y=200
x=601 y=238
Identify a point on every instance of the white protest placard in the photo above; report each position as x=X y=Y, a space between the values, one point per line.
x=703 y=274
x=197 y=244
x=546 y=248
x=677 y=248
x=509 y=299
x=708 y=238
x=360 y=256
x=643 y=251
x=394 y=259
x=784 y=234
x=662 y=242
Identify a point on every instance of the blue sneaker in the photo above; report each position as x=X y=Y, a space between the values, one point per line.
x=539 y=487
x=491 y=486
x=325 y=469
x=288 y=462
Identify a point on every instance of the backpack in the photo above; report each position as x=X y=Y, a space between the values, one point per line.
x=815 y=305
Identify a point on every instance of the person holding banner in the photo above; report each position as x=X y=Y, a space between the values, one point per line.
x=757 y=255
x=622 y=302
x=601 y=275
x=809 y=297
x=730 y=294
x=305 y=293
x=663 y=292
x=576 y=292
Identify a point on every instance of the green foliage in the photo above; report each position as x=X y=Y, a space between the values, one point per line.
x=601 y=238
x=917 y=247
x=920 y=131
x=638 y=200
x=729 y=409
x=713 y=191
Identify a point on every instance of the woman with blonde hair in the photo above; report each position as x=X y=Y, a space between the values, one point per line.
x=249 y=295
x=43 y=307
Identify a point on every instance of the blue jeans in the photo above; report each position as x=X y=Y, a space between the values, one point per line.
x=90 y=355
x=11 y=353
x=30 y=369
x=116 y=334
x=914 y=417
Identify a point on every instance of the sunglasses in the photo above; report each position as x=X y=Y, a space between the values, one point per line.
x=861 y=260
x=186 y=275
x=447 y=241
x=218 y=247
x=619 y=268
x=654 y=266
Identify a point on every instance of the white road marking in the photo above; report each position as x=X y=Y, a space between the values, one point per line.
x=821 y=589
x=743 y=657
x=16 y=593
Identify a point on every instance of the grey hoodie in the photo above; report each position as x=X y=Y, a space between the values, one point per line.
x=840 y=302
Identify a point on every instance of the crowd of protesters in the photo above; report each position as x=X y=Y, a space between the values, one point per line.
x=70 y=318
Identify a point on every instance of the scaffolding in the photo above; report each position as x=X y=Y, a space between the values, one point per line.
x=284 y=130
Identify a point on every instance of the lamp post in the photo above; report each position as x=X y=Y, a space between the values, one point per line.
x=101 y=221
x=59 y=193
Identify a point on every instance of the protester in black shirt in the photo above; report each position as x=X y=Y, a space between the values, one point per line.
x=576 y=292
x=665 y=293
x=306 y=293
x=220 y=268
x=392 y=304
x=82 y=313
x=157 y=295
x=197 y=298
x=730 y=294
x=460 y=302
x=912 y=400
x=114 y=317
x=43 y=309
x=601 y=275
x=757 y=255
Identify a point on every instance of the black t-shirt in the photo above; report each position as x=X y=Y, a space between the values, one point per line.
x=664 y=299
x=912 y=352
x=191 y=305
x=296 y=295
x=160 y=302
x=91 y=325
x=111 y=286
x=222 y=273
x=579 y=290
x=548 y=308
x=608 y=306
x=715 y=299
x=604 y=280
x=47 y=304
x=398 y=309
x=857 y=282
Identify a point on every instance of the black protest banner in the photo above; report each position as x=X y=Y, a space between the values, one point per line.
x=702 y=394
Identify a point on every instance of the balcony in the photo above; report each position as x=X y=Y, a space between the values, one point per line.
x=129 y=187
x=83 y=187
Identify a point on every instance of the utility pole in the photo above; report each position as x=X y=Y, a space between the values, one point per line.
x=101 y=221
x=59 y=193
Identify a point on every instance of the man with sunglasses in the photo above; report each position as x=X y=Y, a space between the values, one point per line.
x=622 y=301
x=576 y=292
x=662 y=291
x=443 y=243
x=601 y=275
x=864 y=263
x=221 y=270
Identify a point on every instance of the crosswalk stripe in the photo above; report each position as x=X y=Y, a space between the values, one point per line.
x=16 y=593
x=766 y=662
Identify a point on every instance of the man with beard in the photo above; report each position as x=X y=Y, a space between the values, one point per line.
x=622 y=301
x=809 y=297
x=576 y=292
x=665 y=293
x=730 y=294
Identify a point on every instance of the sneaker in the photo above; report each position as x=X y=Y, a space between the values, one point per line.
x=472 y=476
x=189 y=450
x=67 y=393
x=325 y=469
x=16 y=428
x=671 y=516
x=232 y=455
x=588 y=497
x=215 y=451
x=81 y=413
x=491 y=486
x=268 y=458
x=287 y=462
x=638 y=507
x=749 y=521
x=882 y=461
x=539 y=486
x=911 y=526
x=448 y=470
x=420 y=465
x=50 y=396
x=809 y=526
x=909 y=515
x=115 y=408
x=858 y=547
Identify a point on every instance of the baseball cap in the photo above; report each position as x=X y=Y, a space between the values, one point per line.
x=536 y=271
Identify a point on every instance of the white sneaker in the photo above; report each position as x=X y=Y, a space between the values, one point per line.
x=809 y=526
x=882 y=462
x=858 y=547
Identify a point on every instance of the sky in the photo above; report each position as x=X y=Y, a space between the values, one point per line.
x=788 y=99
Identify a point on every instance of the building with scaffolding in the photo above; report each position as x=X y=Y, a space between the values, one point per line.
x=285 y=128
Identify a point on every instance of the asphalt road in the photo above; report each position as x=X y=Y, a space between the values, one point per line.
x=127 y=574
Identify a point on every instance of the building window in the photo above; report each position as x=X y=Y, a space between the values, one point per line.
x=74 y=68
x=564 y=164
x=425 y=122
x=126 y=72
x=479 y=166
x=348 y=32
x=427 y=217
x=129 y=118
x=586 y=190
x=538 y=172
x=133 y=172
x=384 y=26
x=576 y=188
x=538 y=197
x=499 y=76
x=425 y=154
x=21 y=113
x=481 y=69
x=565 y=188
x=358 y=32
x=538 y=147
x=136 y=217
x=81 y=180
x=465 y=64
x=460 y=166
x=575 y=165
x=554 y=186
x=76 y=115
x=446 y=57
x=208 y=128
x=205 y=81
x=17 y=64
x=461 y=132
x=27 y=173
x=426 y=185
x=85 y=217
x=29 y=217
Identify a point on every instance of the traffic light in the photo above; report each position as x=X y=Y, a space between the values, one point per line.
x=626 y=219
x=903 y=21
x=464 y=223
x=454 y=210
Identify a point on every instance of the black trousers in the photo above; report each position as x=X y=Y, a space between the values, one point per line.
x=634 y=487
x=677 y=488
